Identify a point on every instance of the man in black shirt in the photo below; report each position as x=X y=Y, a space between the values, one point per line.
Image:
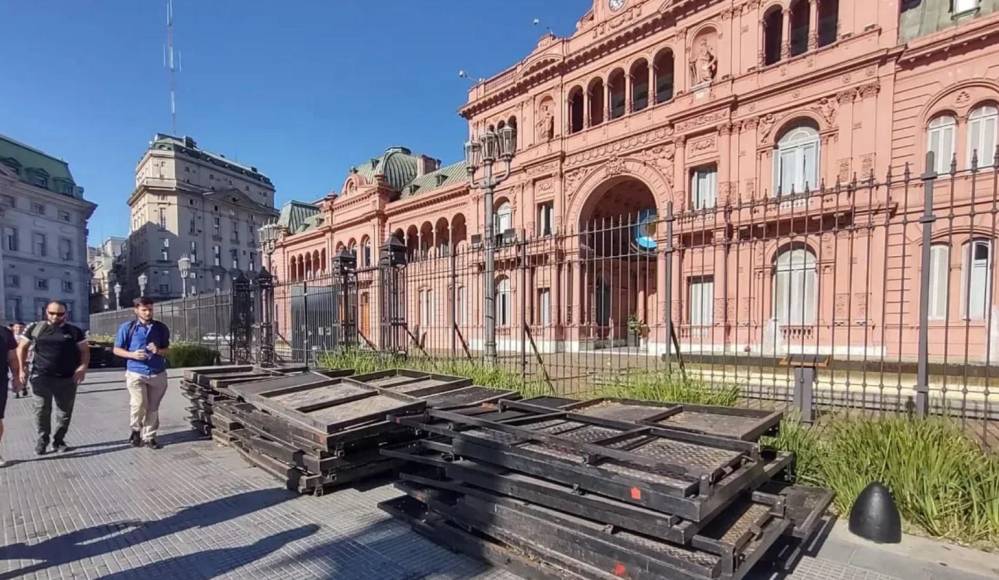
x=8 y=362
x=61 y=358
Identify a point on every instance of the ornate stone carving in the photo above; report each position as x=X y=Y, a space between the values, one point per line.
x=544 y=185
x=618 y=147
x=844 y=97
x=662 y=157
x=869 y=90
x=614 y=167
x=542 y=169
x=703 y=145
x=826 y=108
x=766 y=125
x=866 y=164
x=573 y=178
x=748 y=124
x=843 y=174
x=962 y=98
x=701 y=120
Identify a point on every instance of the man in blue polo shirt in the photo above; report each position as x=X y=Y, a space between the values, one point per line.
x=143 y=342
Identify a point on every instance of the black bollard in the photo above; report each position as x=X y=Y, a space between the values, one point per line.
x=875 y=517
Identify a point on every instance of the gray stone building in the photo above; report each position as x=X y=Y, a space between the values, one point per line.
x=194 y=203
x=44 y=221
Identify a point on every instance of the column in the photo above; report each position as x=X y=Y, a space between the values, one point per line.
x=785 y=34
x=629 y=92
x=652 y=81
x=607 y=100
x=813 y=24
x=587 y=121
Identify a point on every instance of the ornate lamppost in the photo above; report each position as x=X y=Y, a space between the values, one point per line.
x=143 y=280
x=485 y=151
x=117 y=295
x=184 y=265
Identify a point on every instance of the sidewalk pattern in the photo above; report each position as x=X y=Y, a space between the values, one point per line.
x=195 y=510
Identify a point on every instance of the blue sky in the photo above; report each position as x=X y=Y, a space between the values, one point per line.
x=301 y=89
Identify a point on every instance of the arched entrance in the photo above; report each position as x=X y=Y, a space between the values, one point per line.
x=618 y=239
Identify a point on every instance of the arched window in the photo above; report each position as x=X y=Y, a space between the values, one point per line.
x=639 y=85
x=512 y=123
x=773 y=29
x=577 y=115
x=828 y=21
x=365 y=252
x=800 y=16
x=596 y=97
x=504 y=218
x=503 y=303
x=982 y=134
x=426 y=307
x=940 y=141
x=663 y=65
x=976 y=280
x=795 y=287
x=796 y=162
x=618 y=98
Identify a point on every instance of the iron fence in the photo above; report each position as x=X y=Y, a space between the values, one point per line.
x=866 y=295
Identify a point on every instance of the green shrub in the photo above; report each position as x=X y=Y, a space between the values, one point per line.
x=661 y=386
x=943 y=483
x=480 y=373
x=191 y=355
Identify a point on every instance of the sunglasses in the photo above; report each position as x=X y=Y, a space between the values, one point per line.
x=63 y=313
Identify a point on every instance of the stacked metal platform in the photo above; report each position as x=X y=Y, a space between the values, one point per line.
x=603 y=489
x=325 y=428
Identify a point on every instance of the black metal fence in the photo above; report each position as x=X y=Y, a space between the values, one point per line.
x=867 y=295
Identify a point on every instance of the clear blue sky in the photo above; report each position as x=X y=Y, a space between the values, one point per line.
x=301 y=89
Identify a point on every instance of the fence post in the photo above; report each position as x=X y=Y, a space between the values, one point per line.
x=306 y=343
x=454 y=306
x=523 y=312
x=668 y=290
x=922 y=368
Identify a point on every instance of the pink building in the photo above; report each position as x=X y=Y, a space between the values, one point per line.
x=737 y=168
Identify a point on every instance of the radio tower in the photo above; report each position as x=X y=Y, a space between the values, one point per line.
x=172 y=67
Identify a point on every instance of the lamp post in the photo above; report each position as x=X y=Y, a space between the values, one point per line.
x=486 y=150
x=269 y=234
x=184 y=265
x=143 y=280
x=117 y=296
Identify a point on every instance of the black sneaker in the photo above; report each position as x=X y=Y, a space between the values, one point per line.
x=152 y=444
x=41 y=448
x=60 y=447
x=135 y=439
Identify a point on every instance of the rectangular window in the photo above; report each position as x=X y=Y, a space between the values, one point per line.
x=217 y=255
x=701 y=302
x=251 y=231
x=976 y=286
x=164 y=289
x=162 y=218
x=962 y=6
x=41 y=283
x=940 y=140
x=426 y=307
x=12 y=308
x=37 y=208
x=703 y=186
x=67 y=285
x=217 y=224
x=65 y=216
x=65 y=249
x=939 y=280
x=544 y=306
x=40 y=304
x=165 y=250
x=38 y=245
x=193 y=226
x=253 y=261
x=546 y=218
x=194 y=252
x=10 y=239
x=982 y=135
x=235 y=230
x=12 y=281
x=234 y=254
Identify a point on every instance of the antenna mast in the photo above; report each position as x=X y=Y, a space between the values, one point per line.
x=172 y=66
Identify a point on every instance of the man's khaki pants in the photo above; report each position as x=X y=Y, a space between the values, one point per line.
x=146 y=394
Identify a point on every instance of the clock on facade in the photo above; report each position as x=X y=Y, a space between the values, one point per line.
x=616 y=5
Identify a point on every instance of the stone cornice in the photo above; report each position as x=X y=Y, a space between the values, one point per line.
x=431 y=198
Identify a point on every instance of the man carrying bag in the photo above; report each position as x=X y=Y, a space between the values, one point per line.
x=144 y=342
x=61 y=358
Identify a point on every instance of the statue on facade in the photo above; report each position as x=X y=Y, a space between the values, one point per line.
x=704 y=64
x=546 y=122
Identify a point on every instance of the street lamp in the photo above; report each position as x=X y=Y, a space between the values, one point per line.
x=486 y=150
x=184 y=265
x=117 y=296
x=143 y=280
x=269 y=235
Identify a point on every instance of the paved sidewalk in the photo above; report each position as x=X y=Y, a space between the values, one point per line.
x=195 y=510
